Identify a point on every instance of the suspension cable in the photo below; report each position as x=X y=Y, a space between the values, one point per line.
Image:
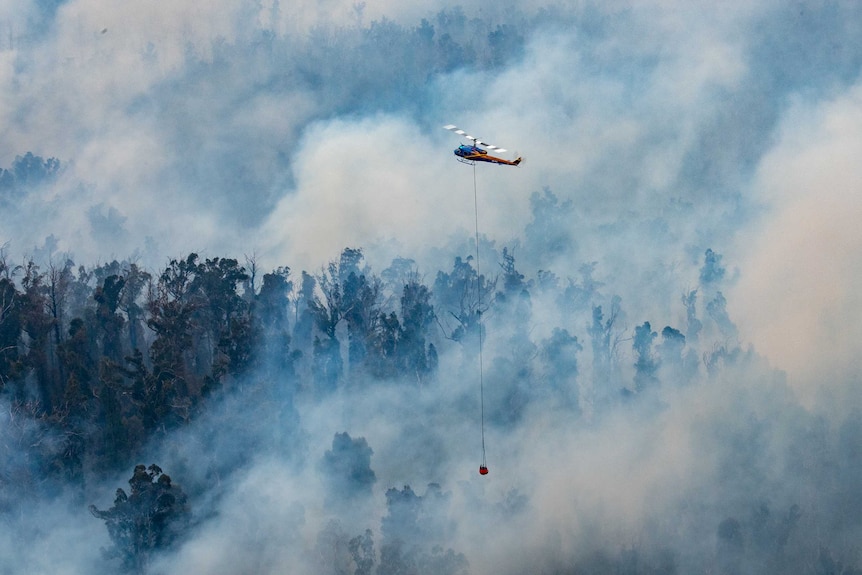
x=479 y=322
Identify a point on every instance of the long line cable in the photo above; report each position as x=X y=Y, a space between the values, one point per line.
x=479 y=322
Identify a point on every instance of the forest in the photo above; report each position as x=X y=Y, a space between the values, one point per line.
x=255 y=318
x=100 y=363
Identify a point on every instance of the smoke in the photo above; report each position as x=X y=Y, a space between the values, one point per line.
x=654 y=133
x=795 y=297
x=361 y=183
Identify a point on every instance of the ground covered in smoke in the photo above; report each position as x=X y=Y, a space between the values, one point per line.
x=666 y=290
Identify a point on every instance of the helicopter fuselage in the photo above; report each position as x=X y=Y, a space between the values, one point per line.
x=476 y=154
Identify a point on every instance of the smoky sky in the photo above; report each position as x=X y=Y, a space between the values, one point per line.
x=651 y=131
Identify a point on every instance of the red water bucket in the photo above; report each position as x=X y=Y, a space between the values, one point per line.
x=483 y=470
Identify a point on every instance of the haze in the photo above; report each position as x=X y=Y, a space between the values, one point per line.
x=654 y=134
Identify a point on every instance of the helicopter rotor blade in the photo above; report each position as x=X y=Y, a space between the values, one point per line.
x=492 y=147
x=460 y=132
x=455 y=129
x=477 y=141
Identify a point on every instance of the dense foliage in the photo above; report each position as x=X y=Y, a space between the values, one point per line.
x=113 y=355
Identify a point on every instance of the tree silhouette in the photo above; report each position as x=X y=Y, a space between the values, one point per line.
x=152 y=517
x=347 y=467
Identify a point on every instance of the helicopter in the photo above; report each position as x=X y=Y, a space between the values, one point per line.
x=470 y=154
